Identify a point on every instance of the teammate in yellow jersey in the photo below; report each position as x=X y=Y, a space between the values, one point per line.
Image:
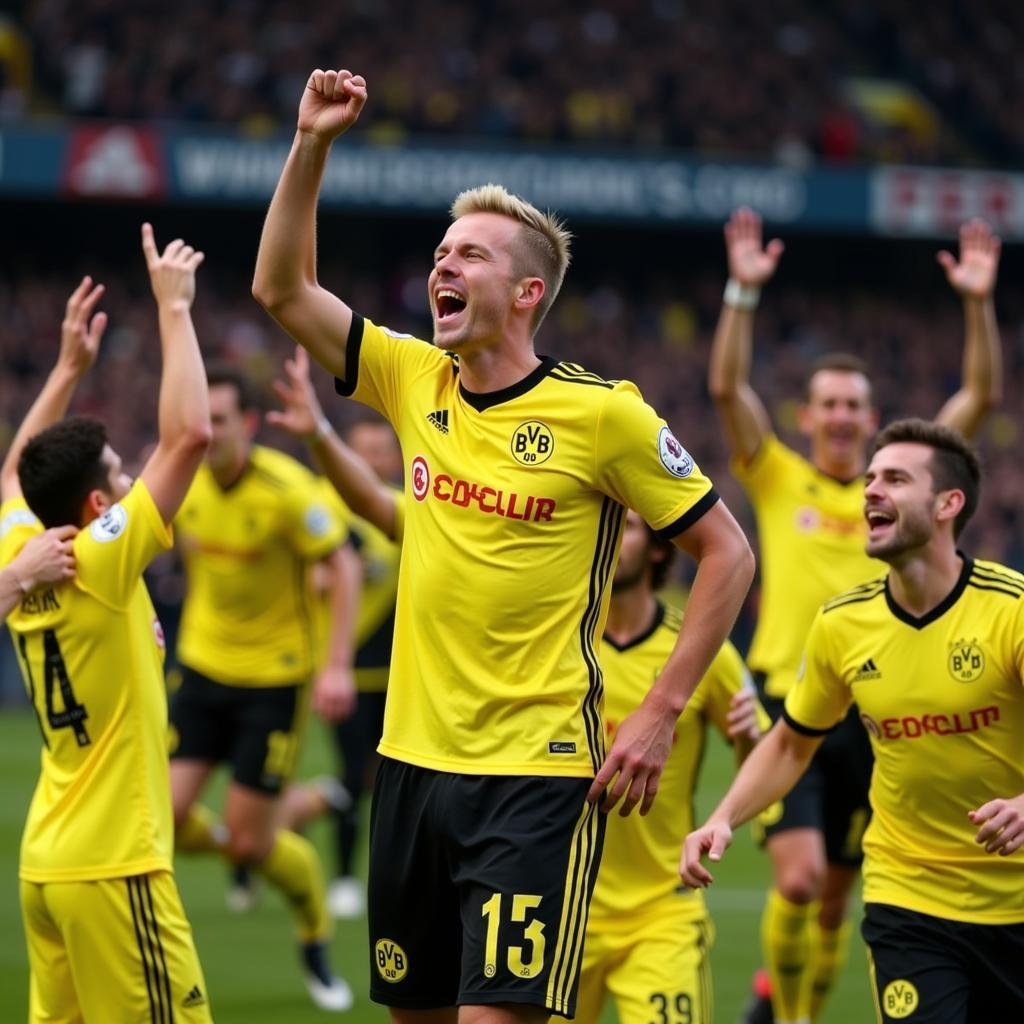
x=107 y=936
x=933 y=656
x=808 y=516
x=518 y=471
x=356 y=737
x=250 y=529
x=647 y=940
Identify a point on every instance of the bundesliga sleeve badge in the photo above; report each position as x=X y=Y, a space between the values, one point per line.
x=674 y=457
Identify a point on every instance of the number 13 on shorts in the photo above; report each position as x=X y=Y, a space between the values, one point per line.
x=525 y=960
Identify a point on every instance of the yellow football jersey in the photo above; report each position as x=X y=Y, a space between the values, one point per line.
x=91 y=652
x=941 y=697
x=375 y=622
x=811 y=534
x=247 y=619
x=514 y=512
x=639 y=866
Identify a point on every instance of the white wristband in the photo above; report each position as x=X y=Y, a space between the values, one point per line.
x=323 y=428
x=741 y=296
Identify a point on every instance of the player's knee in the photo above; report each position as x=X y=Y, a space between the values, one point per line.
x=246 y=846
x=800 y=882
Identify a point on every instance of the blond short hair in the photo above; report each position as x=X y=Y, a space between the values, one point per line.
x=544 y=251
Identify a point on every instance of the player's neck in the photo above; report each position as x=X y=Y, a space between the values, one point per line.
x=843 y=470
x=630 y=613
x=925 y=578
x=229 y=475
x=493 y=369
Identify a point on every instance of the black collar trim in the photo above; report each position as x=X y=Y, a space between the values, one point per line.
x=484 y=401
x=659 y=618
x=941 y=608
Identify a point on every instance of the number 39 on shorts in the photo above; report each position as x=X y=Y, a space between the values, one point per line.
x=521 y=934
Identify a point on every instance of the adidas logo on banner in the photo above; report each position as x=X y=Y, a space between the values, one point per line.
x=439 y=419
x=194 y=998
x=869 y=670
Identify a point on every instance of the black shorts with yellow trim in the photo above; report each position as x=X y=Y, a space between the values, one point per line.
x=479 y=888
x=255 y=729
x=832 y=794
x=930 y=970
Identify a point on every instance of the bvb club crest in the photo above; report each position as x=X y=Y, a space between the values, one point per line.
x=966 y=661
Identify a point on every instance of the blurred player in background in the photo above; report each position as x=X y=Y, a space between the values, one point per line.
x=520 y=469
x=107 y=936
x=811 y=533
x=252 y=526
x=933 y=656
x=371 y=439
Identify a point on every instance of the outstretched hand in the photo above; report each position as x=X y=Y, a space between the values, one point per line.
x=331 y=103
x=750 y=262
x=82 y=329
x=712 y=839
x=172 y=274
x=974 y=276
x=302 y=412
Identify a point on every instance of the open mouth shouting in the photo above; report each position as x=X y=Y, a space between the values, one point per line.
x=448 y=303
x=879 y=521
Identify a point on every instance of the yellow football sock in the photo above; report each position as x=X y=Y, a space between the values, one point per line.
x=201 y=832
x=788 y=941
x=833 y=946
x=293 y=866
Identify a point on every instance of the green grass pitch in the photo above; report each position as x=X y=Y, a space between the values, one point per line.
x=250 y=961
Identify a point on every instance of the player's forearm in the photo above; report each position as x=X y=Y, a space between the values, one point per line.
x=48 y=408
x=184 y=407
x=982 y=386
x=346 y=580
x=351 y=476
x=768 y=774
x=739 y=408
x=12 y=590
x=286 y=259
x=725 y=570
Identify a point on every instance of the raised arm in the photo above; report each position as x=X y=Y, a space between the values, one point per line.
x=974 y=278
x=767 y=775
x=184 y=409
x=80 y=336
x=285 y=283
x=350 y=475
x=751 y=265
x=725 y=567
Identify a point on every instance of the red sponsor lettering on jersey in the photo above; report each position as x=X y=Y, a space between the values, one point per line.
x=490 y=500
x=912 y=727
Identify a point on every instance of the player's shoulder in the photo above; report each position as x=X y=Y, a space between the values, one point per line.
x=995 y=578
x=671 y=619
x=856 y=598
x=577 y=377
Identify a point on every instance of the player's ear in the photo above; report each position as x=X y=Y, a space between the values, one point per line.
x=529 y=292
x=949 y=504
x=96 y=503
x=252 y=421
x=803 y=418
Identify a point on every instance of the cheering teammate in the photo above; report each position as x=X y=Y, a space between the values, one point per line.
x=933 y=656
x=107 y=936
x=811 y=535
x=518 y=470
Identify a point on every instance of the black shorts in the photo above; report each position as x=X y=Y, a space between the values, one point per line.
x=930 y=970
x=255 y=729
x=832 y=795
x=479 y=888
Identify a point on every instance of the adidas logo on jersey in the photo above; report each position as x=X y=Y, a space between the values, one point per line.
x=439 y=419
x=194 y=998
x=869 y=670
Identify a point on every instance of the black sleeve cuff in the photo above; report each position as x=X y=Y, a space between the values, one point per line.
x=355 y=340
x=804 y=730
x=689 y=517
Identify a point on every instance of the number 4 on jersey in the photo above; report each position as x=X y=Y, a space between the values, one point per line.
x=55 y=673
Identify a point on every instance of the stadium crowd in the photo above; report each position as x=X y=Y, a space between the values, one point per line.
x=541 y=73
x=657 y=334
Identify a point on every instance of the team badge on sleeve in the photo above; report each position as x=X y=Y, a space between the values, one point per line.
x=318 y=520
x=674 y=457
x=17 y=517
x=110 y=525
